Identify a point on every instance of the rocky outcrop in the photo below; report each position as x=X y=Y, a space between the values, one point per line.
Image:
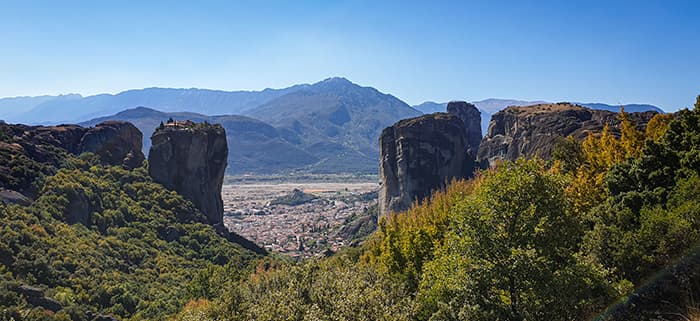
x=45 y=148
x=35 y=296
x=532 y=131
x=419 y=155
x=115 y=142
x=11 y=197
x=100 y=317
x=78 y=209
x=191 y=158
x=471 y=117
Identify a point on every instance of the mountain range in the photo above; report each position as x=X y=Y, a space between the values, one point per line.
x=327 y=127
x=75 y=108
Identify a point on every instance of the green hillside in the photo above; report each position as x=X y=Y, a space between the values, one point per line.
x=142 y=253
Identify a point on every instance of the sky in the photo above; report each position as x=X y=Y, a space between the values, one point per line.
x=617 y=52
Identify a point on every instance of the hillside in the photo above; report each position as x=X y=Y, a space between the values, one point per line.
x=342 y=116
x=12 y=108
x=76 y=108
x=99 y=241
x=630 y=108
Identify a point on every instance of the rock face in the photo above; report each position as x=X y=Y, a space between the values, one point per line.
x=471 y=117
x=11 y=197
x=191 y=159
x=115 y=142
x=419 y=155
x=46 y=147
x=534 y=130
x=35 y=296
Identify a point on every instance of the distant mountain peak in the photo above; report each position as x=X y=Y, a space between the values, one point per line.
x=336 y=80
x=141 y=108
x=139 y=111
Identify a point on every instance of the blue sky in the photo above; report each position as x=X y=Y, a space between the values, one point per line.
x=602 y=51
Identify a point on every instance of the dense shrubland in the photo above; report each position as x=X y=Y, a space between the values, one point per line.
x=141 y=254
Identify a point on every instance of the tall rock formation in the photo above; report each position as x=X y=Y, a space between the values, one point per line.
x=471 y=117
x=190 y=158
x=419 y=155
x=534 y=130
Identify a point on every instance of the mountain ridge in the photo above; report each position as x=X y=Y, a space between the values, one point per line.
x=74 y=108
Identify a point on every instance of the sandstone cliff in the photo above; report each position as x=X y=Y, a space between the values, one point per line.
x=191 y=158
x=471 y=117
x=534 y=130
x=419 y=155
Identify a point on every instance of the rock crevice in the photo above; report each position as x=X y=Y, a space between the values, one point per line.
x=471 y=117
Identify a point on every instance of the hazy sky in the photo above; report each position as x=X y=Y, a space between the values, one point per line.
x=602 y=51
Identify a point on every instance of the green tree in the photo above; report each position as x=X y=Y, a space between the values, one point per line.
x=515 y=242
x=567 y=151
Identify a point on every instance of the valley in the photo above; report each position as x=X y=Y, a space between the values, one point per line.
x=301 y=216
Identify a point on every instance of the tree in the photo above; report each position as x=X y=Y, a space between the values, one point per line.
x=643 y=223
x=657 y=126
x=516 y=242
x=567 y=151
x=631 y=139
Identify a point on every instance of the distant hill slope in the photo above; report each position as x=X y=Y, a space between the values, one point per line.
x=75 y=108
x=493 y=105
x=254 y=146
x=13 y=109
x=630 y=108
x=337 y=119
x=430 y=107
x=490 y=106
